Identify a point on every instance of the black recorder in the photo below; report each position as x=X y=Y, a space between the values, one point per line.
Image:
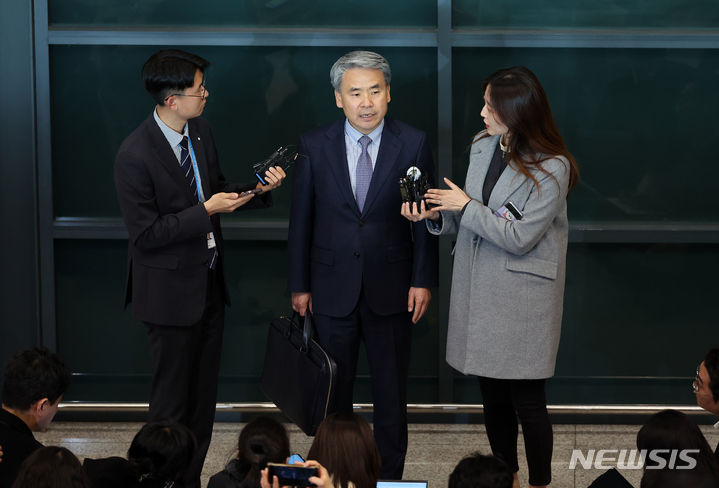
x=283 y=157
x=291 y=474
x=413 y=187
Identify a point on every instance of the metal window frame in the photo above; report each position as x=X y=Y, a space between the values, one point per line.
x=444 y=39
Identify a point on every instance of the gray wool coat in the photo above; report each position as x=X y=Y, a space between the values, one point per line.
x=505 y=311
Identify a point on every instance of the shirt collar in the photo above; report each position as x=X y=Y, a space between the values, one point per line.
x=355 y=135
x=172 y=137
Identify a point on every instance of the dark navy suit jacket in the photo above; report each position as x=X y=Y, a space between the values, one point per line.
x=334 y=250
x=167 y=249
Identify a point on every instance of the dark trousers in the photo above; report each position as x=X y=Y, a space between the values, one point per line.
x=387 y=341
x=504 y=401
x=186 y=364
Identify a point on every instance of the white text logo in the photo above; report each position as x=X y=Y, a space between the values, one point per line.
x=634 y=459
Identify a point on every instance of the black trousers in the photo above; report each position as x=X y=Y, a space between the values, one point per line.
x=186 y=364
x=504 y=401
x=388 y=342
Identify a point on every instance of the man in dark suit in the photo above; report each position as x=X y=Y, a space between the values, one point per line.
x=33 y=385
x=171 y=193
x=363 y=271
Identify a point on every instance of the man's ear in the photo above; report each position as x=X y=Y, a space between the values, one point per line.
x=39 y=408
x=338 y=99
x=41 y=405
x=171 y=102
x=389 y=99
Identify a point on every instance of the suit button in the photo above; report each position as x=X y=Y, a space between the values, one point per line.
x=361 y=224
x=357 y=254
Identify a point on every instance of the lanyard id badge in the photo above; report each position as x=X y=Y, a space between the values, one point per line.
x=211 y=244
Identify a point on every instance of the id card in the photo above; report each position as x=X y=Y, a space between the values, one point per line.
x=210 y=240
x=509 y=212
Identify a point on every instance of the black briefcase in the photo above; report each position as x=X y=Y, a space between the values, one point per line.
x=298 y=375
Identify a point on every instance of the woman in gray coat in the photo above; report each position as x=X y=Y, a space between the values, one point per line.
x=509 y=263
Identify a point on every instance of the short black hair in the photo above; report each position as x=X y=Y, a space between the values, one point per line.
x=480 y=471
x=51 y=466
x=162 y=450
x=171 y=70
x=711 y=363
x=32 y=375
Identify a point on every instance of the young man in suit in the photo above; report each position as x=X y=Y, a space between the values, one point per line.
x=171 y=192
x=33 y=385
x=363 y=271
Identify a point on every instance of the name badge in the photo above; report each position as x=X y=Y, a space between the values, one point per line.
x=509 y=212
x=211 y=240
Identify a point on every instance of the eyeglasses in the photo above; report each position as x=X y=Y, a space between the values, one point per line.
x=695 y=386
x=202 y=94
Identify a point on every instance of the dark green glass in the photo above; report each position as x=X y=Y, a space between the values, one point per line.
x=640 y=123
x=244 y=13
x=109 y=353
x=546 y=14
x=260 y=98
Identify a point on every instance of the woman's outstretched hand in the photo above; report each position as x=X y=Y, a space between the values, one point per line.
x=452 y=200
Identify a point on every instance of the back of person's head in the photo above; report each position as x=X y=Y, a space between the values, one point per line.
x=162 y=451
x=51 y=467
x=171 y=70
x=262 y=441
x=672 y=430
x=711 y=363
x=479 y=471
x=34 y=375
x=345 y=445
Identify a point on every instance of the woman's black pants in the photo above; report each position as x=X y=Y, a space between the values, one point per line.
x=504 y=401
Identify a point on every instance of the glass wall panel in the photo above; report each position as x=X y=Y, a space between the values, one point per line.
x=548 y=14
x=633 y=314
x=108 y=349
x=254 y=13
x=260 y=98
x=640 y=122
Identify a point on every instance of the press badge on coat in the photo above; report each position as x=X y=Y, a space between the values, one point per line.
x=509 y=212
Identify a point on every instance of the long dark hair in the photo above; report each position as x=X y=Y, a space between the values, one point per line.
x=344 y=444
x=51 y=467
x=671 y=429
x=262 y=441
x=521 y=105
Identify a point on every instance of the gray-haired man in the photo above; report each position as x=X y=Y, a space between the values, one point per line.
x=362 y=270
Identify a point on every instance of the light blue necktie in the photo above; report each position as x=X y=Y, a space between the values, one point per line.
x=363 y=174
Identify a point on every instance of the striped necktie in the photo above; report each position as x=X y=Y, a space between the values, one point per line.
x=186 y=162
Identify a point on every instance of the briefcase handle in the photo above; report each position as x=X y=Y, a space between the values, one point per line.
x=307 y=329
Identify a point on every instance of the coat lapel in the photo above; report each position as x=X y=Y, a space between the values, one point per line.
x=336 y=155
x=389 y=149
x=480 y=156
x=509 y=182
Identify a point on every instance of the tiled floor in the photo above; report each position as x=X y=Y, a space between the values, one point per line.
x=434 y=449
